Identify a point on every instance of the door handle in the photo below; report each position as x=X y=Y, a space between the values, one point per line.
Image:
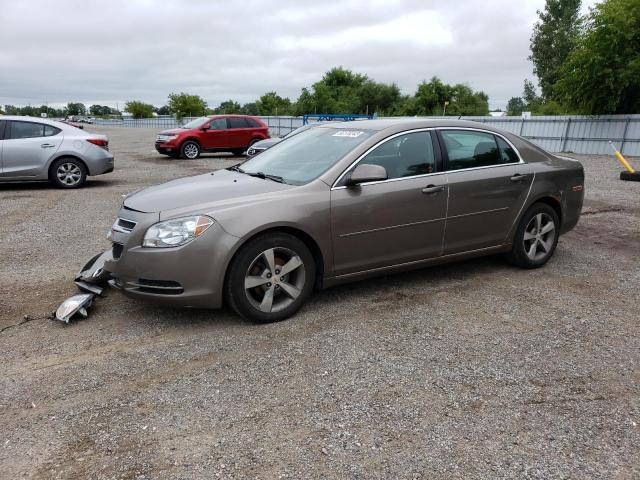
x=518 y=177
x=47 y=145
x=433 y=189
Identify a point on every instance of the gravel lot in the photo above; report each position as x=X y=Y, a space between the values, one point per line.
x=474 y=369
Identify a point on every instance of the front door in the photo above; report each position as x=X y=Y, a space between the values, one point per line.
x=395 y=221
x=488 y=184
x=216 y=136
x=27 y=148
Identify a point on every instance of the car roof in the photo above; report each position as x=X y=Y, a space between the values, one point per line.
x=405 y=124
x=26 y=118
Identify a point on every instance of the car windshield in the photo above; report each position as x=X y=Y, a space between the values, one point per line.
x=198 y=122
x=307 y=155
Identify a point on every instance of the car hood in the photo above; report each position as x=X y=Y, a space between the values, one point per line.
x=222 y=187
x=172 y=131
x=269 y=142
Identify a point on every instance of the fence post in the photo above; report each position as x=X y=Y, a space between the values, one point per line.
x=521 y=127
x=278 y=126
x=624 y=135
x=566 y=135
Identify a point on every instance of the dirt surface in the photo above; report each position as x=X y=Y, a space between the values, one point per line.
x=474 y=370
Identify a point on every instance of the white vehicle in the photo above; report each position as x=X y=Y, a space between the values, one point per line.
x=40 y=149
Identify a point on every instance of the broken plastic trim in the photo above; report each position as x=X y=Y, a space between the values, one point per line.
x=93 y=272
x=76 y=305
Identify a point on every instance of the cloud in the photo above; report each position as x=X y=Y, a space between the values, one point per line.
x=108 y=52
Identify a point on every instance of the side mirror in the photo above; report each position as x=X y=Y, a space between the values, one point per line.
x=366 y=172
x=205 y=128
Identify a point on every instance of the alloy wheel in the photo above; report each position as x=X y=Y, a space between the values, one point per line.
x=191 y=150
x=274 y=280
x=69 y=174
x=539 y=236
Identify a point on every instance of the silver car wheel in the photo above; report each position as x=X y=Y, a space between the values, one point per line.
x=191 y=151
x=274 y=280
x=539 y=236
x=69 y=173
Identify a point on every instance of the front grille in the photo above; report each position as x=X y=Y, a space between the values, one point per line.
x=161 y=287
x=116 y=250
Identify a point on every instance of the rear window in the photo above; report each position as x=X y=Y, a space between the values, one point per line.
x=26 y=130
x=236 y=122
x=50 y=130
x=471 y=149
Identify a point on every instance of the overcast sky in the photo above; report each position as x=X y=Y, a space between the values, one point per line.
x=108 y=52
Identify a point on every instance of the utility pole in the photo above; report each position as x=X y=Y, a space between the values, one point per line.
x=444 y=110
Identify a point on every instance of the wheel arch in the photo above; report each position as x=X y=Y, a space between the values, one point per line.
x=553 y=202
x=307 y=239
x=193 y=139
x=66 y=155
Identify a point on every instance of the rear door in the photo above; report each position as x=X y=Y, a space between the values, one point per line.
x=217 y=134
x=239 y=132
x=399 y=220
x=27 y=148
x=488 y=184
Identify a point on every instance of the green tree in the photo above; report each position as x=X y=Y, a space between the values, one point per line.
x=186 y=105
x=230 y=107
x=250 y=109
x=164 y=110
x=76 y=109
x=430 y=99
x=273 y=104
x=515 y=106
x=602 y=73
x=139 y=109
x=554 y=37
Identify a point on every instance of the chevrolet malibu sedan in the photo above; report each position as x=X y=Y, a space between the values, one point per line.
x=39 y=149
x=338 y=203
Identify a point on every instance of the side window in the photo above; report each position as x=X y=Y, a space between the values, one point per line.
x=26 y=130
x=2 y=124
x=405 y=155
x=252 y=123
x=50 y=130
x=218 y=124
x=469 y=149
x=236 y=122
x=507 y=152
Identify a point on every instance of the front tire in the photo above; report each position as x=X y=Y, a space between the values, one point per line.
x=270 y=278
x=68 y=173
x=536 y=238
x=190 y=150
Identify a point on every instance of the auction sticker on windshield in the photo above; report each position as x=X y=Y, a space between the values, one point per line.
x=348 y=133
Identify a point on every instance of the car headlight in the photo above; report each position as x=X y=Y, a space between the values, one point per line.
x=166 y=138
x=176 y=232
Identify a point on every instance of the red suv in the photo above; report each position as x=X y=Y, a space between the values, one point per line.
x=218 y=133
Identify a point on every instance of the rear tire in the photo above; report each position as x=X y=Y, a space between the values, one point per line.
x=270 y=278
x=190 y=150
x=68 y=173
x=536 y=237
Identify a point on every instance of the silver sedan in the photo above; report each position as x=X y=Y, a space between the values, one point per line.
x=41 y=149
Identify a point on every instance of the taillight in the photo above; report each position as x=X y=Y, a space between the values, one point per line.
x=99 y=142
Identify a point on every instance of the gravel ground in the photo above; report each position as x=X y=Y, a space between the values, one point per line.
x=469 y=370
